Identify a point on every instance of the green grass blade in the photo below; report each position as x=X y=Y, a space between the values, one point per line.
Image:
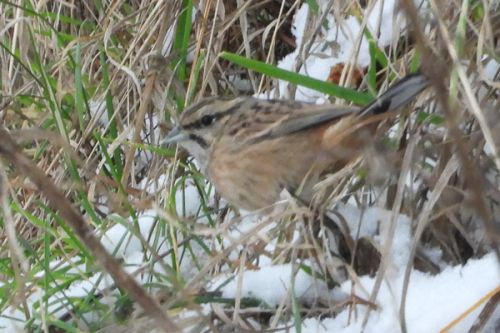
x=181 y=42
x=347 y=94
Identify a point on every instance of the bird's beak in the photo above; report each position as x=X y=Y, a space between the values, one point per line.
x=176 y=135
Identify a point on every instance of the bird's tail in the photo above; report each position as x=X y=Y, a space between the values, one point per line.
x=401 y=93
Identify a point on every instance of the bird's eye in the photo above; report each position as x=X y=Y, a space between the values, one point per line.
x=207 y=120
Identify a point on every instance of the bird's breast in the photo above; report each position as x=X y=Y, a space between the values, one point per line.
x=252 y=177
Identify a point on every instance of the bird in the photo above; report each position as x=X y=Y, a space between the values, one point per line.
x=252 y=149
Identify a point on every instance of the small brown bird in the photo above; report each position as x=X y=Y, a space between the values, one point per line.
x=252 y=149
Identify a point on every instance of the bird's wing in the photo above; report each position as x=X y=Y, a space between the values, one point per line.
x=310 y=116
x=301 y=116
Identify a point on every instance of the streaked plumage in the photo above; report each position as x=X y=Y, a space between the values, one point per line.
x=252 y=149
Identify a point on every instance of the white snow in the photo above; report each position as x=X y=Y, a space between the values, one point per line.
x=272 y=284
x=433 y=302
x=338 y=43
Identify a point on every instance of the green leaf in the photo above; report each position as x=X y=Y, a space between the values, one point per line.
x=313 y=5
x=80 y=104
x=182 y=34
x=426 y=117
x=347 y=94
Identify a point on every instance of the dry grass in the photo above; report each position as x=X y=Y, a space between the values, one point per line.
x=64 y=66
